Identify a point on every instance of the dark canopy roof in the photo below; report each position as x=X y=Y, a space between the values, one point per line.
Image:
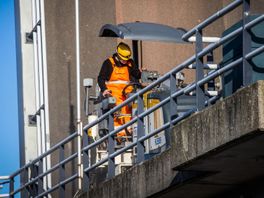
x=143 y=31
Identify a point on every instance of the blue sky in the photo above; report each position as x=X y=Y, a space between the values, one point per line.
x=9 y=144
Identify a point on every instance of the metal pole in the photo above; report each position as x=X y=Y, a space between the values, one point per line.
x=45 y=87
x=140 y=129
x=11 y=186
x=62 y=174
x=36 y=76
x=40 y=180
x=200 y=98
x=141 y=54
x=41 y=91
x=87 y=102
x=37 y=72
x=135 y=51
x=173 y=106
x=111 y=147
x=247 y=69
x=86 y=163
x=205 y=39
x=45 y=74
x=79 y=123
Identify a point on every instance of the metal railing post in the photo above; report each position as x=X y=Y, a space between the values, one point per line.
x=140 y=129
x=61 y=172
x=32 y=187
x=173 y=105
x=11 y=187
x=247 y=69
x=40 y=180
x=85 y=162
x=210 y=60
x=111 y=147
x=25 y=192
x=200 y=96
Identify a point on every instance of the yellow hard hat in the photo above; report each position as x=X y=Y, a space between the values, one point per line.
x=123 y=51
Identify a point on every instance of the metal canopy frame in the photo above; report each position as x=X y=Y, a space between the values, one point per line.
x=143 y=31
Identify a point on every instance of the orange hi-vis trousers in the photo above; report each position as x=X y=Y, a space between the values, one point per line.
x=118 y=81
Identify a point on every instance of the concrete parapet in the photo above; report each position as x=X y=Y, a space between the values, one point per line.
x=209 y=131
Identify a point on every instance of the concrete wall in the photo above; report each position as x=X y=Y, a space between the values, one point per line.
x=28 y=86
x=211 y=140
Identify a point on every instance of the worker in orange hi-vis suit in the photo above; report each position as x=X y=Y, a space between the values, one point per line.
x=116 y=73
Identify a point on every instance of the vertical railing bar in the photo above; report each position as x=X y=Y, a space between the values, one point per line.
x=86 y=162
x=200 y=97
x=40 y=179
x=140 y=129
x=247 y=69
x=25 y=180
x=173 y=106
x=35 y=186
x=31 y=186
x=211 y=83
x=11 y=187
x=111 y=147
x=61 y=172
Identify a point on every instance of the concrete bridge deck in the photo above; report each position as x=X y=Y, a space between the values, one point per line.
x=213 y=152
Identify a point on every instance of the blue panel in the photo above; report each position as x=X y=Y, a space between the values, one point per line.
x=232 y=50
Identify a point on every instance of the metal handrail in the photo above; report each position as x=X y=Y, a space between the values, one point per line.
x=141 y=139
x=165 y=126
x=190 y=88
x=47 y=172
x=66 y=181
x=6 y=181
x=4 y=195
x=4 y=177
x=212 y=18
x=55 y=147
x=171 y=122
x=189 y=61
x=25 y=167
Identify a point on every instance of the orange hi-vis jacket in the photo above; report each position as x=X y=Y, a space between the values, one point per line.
x=118 y=81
